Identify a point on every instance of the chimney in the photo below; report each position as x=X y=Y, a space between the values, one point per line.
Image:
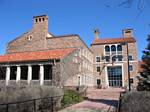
x=96 y=33
x=40 y=23
x=127 y=32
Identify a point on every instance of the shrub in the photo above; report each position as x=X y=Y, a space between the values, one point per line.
x=71 y=97
x=136 y=102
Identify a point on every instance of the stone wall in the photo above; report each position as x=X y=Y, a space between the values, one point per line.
x=33 y=40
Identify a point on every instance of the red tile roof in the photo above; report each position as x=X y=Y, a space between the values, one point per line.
x=37 y=55
x=113 y=40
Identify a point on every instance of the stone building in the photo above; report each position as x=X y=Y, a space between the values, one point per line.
x=111 y=57
x=38 y=56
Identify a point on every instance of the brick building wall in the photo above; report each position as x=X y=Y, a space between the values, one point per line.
x=99 y=51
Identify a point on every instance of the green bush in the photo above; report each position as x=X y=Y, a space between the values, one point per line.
x=71 y=97
x=136 y=102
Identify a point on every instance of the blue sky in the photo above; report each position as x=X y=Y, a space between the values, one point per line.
x=74 y=17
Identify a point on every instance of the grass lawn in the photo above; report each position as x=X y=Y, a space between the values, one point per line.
x=71 y=97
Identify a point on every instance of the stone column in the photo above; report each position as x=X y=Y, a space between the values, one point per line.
x=29 y=73
x=41 y=74
x=18 y=74
x=7 y=75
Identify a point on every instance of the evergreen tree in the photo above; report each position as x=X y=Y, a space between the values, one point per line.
x=144 y=78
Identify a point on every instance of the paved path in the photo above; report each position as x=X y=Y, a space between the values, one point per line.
x=98 y=101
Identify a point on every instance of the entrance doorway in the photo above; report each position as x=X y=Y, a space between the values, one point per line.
x=115 y=76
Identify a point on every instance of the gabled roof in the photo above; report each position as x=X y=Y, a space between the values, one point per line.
x=36 y=56
x=99 y=41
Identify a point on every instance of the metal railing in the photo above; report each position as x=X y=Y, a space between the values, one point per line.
x=48 y=104
x=120 y=102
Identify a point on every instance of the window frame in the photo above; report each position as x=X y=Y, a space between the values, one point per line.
x=118 y=47
x=106 y=49
x=130 y=59
x=119 y=58
x=130 y=68
x=99 y=59
x=98 y=70
x=113 y=46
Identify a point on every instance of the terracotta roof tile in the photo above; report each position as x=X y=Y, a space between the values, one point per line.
x=113 y=40
x=37 y=55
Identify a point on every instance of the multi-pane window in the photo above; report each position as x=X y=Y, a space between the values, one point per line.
x=107 y=58
x=114 y=58
x=98 y=69
x=97 y=59
x=130 y=57
x=107 y=49
x=115 y=76
x=119 y=48
x=113 y=48
x=130 y=67
x=120 y=57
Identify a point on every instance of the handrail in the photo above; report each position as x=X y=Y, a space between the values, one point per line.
x=119 y=103
x=30 y=100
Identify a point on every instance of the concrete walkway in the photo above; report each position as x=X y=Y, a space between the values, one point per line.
x=98 y=101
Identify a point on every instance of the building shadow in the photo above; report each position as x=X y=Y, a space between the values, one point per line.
x=113 y=103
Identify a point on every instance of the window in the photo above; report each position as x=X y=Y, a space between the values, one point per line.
x=114 y=76
x=36 y=20
x=39 y=19
x=98 y=69
x=130 y=67
x=114 y=58
x=119 y=48
x=113 y=48
x=131 y=80
x=107 y=49
x=130 y=57
x=120 y=57
x=107 y=58
x=2 y=73
x=43 y=19
x=98 y=81
x=30 y=37
x=97 y=59
x=13 y=72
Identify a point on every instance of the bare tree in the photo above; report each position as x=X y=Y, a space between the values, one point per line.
x=140 y=5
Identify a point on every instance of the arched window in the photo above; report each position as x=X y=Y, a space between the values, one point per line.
x=114 y=58
x=107 y=49
x=119 y=48
x=113 y=48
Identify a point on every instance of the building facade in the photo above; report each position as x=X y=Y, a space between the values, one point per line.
x=39 y=39
x=115 y=59
x=40 y=57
